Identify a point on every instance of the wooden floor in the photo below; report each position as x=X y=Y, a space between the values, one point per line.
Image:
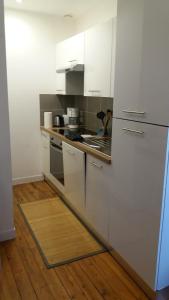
x=24 y=275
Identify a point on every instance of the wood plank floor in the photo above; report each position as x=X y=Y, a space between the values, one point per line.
x=24 y=275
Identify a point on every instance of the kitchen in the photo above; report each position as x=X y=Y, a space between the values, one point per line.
x=67 y=77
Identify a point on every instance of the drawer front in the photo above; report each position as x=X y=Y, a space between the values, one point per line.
x=97 y=195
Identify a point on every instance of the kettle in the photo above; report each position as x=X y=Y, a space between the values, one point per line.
x=58 y=121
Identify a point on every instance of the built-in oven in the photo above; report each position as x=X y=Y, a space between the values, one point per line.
x=56 y=159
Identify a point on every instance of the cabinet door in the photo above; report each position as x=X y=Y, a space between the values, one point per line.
x=113 y=57
x=74 y=174
x=138 y=164
x=97 y=194
x=68 y=53
x=45 y=153
x=60 y=63
x=98 y=56
x=61 y=55
x=75 y=49
x=60 y=84
x=142 y=64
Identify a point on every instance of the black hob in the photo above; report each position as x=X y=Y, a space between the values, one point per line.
x=74 y=134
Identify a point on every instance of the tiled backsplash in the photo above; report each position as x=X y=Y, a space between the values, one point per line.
x=57 y=104
x=88 y=106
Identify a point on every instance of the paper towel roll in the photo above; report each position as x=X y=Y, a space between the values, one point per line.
x=48 y=119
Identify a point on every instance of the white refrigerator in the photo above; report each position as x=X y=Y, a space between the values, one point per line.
x=139 y=222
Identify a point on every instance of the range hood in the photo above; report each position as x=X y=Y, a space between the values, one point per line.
x=74 y=79
x=73 y=68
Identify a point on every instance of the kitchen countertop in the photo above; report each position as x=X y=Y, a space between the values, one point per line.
x=85 y=148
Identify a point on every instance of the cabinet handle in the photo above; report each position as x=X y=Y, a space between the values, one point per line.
x=72 y=60
x=94 y=91
x=133 y=131
x=59 y=90
x=70 y=152
x=133 y=112
x=96 y=165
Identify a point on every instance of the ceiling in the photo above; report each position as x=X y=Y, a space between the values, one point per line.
x=56 y=7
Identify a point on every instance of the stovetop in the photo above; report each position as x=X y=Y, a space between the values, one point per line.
x=70 y=132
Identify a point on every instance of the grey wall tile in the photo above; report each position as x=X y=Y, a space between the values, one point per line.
x=48 y=101
x=88 y=106
x=92 y=122
x=54 y=113
x=57 y=104
x=94 y=104
x=106 y=103
x=81 y=102
x=83 y=118
x=64 y=101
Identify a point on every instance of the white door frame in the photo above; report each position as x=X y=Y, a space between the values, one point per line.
x=7 y=230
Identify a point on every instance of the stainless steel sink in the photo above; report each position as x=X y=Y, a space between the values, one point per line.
x=100 y=144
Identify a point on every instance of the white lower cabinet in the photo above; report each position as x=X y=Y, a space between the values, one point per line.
x=98 y=191
x=74 y=174
x=136 y=206
x=45 y=153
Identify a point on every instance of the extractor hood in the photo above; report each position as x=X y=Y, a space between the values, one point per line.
x=74 y=79
x=74 y=68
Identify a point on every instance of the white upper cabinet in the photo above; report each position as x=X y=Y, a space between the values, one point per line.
x=113 y=57
x=142 y=64
x=60 y=83
x=60 y=62
x=98 y=60
x=75 y=49
x=61 y=55
x=68 y=53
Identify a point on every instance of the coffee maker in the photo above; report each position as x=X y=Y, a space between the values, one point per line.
x=74 y=117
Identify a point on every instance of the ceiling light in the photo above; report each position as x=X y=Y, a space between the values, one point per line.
x=68 y=16
x=19 y=1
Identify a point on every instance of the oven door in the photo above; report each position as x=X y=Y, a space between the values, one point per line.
x=56 y=162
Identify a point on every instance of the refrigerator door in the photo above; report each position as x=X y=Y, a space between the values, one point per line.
x=138 y=163
x=142 y=61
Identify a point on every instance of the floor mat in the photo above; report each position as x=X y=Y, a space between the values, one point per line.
x=60 y=236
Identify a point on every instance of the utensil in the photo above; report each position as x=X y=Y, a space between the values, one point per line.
x=109 y=116
x=101 y=115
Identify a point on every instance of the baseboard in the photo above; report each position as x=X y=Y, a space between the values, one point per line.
x=7 y=235
x=23 y=180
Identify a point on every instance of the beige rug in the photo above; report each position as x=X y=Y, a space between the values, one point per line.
x=60 y=236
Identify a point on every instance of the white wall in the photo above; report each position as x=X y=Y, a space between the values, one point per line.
x=103 y=11
x=31 y=39
x=6 y=209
